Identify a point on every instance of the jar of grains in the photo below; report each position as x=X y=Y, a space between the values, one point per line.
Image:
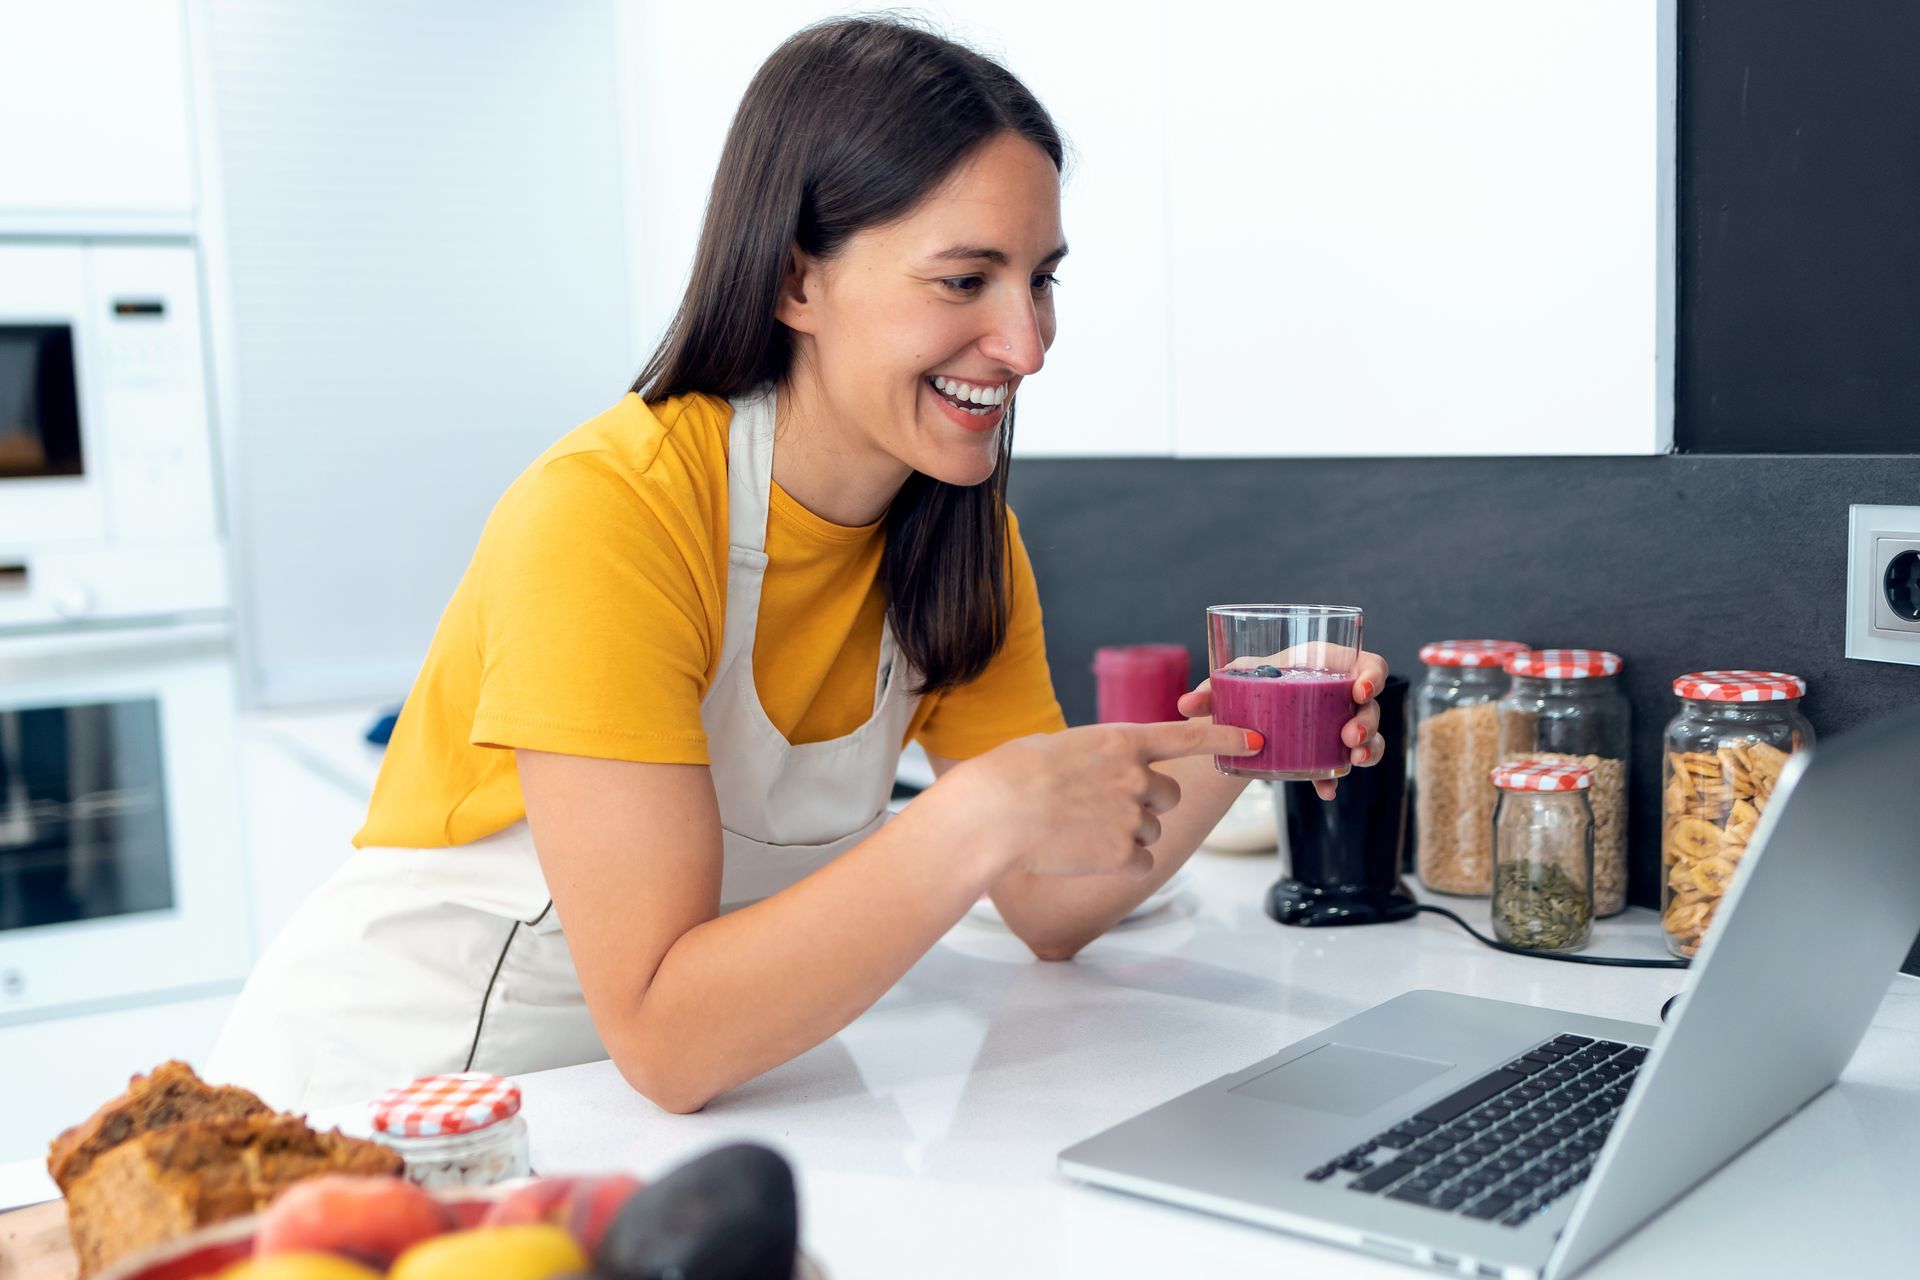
x=1455 y=747
x=1724 y=754
x=462 y=1129
x=1543 y=855
x=1566 y=707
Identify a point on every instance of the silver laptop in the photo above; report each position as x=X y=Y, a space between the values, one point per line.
x=1503 y=1140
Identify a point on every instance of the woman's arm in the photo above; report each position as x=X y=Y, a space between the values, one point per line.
x=690 y=1003
x=1058 y=915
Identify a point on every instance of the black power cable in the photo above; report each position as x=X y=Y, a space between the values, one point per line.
x=1618 y=962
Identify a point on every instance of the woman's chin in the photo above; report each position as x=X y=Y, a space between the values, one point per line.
x=965 y=472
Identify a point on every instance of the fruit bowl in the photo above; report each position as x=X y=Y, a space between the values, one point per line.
x=207 y=1252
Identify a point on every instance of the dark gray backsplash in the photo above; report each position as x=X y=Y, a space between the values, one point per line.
x=1677 y=563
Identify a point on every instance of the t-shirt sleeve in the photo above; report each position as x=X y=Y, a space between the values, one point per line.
x=594 y=603
x=1014 y=696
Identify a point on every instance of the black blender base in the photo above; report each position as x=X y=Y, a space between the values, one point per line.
x=1292 y=901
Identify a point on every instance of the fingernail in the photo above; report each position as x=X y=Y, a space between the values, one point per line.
x=1366 y=690
x=1254 y=740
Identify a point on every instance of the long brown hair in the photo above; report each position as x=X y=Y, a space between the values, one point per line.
x=849 y=125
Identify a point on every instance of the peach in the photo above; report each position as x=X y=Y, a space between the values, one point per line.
x=594 y=1203
x=584 y=1205
x=370 y=1220
x=541 y=1200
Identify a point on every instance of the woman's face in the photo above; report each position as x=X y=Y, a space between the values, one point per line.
x=959 y=290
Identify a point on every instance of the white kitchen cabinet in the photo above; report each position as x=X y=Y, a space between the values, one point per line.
x=94 y=116
x=1104 y=389
x=1377 y=227
x=1404 y=228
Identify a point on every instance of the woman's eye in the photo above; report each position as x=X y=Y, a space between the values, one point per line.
x=963 y=284
x=1046 y=283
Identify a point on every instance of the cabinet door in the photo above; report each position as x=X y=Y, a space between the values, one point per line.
x=1399 y=227
x=94 y=99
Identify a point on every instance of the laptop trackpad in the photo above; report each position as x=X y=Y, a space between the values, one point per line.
x=1342 y=1079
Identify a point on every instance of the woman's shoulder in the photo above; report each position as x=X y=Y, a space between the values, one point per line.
x=635 y=472
x=669 y=440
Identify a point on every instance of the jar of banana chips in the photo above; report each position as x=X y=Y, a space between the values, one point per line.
x=1724 y=753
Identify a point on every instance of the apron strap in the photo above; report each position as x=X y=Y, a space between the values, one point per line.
x=750 y=470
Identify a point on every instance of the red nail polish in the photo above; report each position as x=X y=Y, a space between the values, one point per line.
x=1254 y=740
x=1366 y=690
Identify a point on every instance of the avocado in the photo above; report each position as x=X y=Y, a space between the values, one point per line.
x=731 y=1214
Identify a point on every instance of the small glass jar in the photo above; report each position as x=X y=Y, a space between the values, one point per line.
x=1566 y=706
x=1455 y=745
x=1724 y=753
x=462 y=1129
x=1543 y=855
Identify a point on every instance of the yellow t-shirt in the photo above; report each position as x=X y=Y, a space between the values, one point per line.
x=590 y=617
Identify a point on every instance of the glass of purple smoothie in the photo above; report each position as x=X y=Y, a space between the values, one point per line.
x=1286 y=672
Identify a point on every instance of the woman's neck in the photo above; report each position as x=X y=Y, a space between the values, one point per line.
x=823 y=464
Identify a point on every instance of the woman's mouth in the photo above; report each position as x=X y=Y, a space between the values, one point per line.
x=970 y=405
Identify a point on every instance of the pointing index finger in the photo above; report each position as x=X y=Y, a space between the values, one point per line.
x=1173 y=739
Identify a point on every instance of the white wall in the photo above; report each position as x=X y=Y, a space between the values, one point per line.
x=1372 y=227
x=414 y=224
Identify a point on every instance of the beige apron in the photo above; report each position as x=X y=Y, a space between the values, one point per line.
x=413 y=961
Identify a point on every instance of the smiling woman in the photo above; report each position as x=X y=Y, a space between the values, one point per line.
x=905 y=228
x=634 y=805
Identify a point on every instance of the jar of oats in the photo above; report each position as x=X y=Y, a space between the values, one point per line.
x=1543 y=855
x=1455 y=746
x=1724 y=753
x=1566 y=706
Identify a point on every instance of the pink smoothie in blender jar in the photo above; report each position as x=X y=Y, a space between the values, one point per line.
x=1298 y=710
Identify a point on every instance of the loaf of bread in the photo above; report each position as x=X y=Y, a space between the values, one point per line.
x=167 y=1182
x=169 y=1094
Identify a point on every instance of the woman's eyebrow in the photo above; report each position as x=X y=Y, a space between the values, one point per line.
x=970 y=252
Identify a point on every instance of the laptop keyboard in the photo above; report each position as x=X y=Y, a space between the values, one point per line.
x=1507 y=1145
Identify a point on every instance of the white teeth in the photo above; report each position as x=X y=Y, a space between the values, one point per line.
x=967 y=392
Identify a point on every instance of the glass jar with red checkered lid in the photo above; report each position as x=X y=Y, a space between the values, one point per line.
x=462 y=1129
x=1454 y=745
x=1543 y=854
x=1567 y=706
x=1724 y=752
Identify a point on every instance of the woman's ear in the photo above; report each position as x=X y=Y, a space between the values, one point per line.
x=793 y=310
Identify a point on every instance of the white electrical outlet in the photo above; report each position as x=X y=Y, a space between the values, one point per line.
x=1883 y=584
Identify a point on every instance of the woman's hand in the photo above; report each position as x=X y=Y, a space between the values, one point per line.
x=1083 y=801
x=1360 y=734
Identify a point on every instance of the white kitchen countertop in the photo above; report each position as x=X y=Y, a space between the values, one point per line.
x=924 y=1135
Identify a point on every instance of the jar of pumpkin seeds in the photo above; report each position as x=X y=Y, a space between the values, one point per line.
x=1543 y=855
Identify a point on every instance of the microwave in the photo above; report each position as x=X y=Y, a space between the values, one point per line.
x=108 y=506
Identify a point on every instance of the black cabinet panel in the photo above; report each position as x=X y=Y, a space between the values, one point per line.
x=1799 y=227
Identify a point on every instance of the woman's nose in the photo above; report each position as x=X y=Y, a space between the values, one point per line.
x=1017 y=341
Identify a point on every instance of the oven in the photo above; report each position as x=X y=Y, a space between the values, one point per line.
x=122 y=873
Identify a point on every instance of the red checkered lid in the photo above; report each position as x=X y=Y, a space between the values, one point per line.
x=1741 y=686
x=1468 y=653
x=1542 y=775
x=1563 y=664
x=460 y=1102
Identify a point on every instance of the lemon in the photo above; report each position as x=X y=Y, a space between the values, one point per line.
x=298 y=1266
x=491 y=1253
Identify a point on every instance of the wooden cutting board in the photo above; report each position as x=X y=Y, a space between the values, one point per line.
x=34 y=1244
